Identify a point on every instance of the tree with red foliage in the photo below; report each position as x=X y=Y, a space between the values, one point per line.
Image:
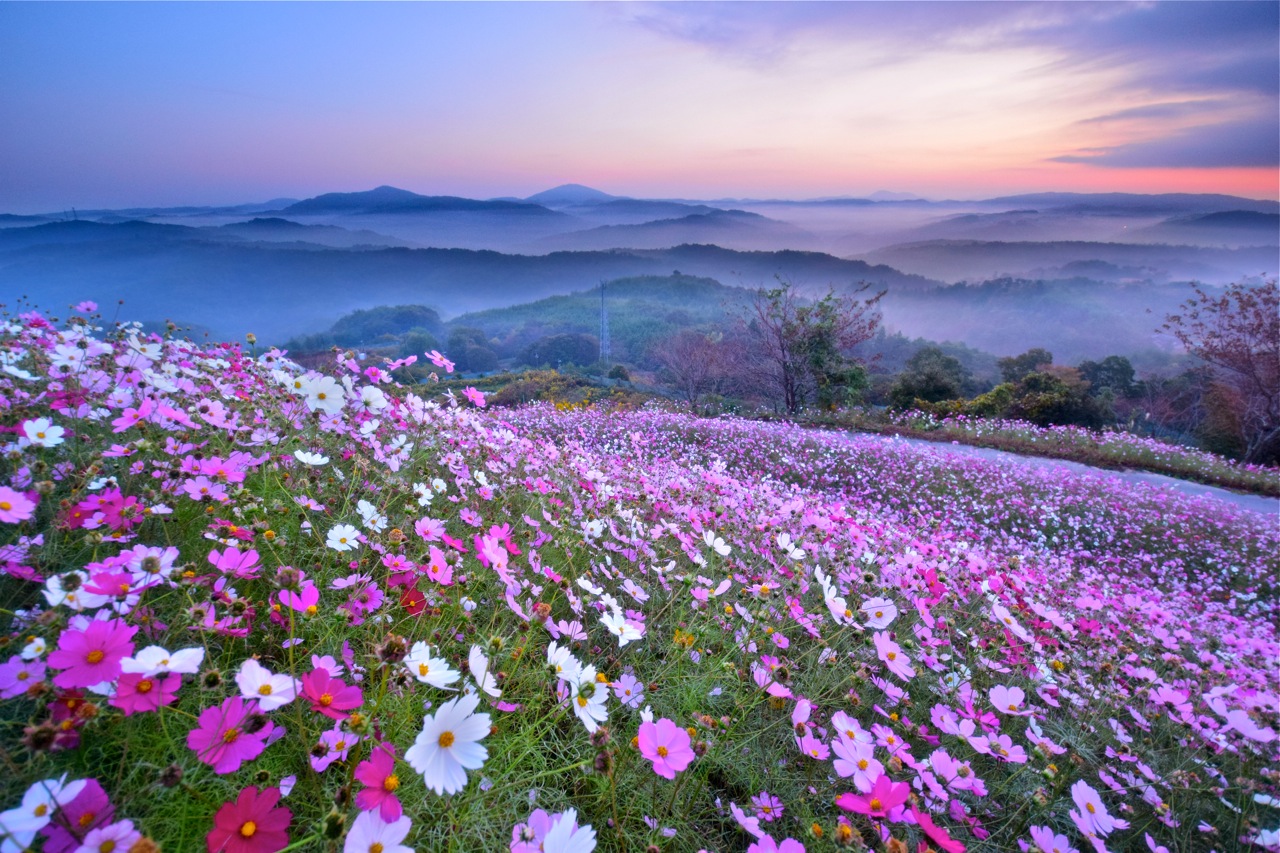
x=1237 y=333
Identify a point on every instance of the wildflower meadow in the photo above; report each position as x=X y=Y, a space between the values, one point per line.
x=252 y=608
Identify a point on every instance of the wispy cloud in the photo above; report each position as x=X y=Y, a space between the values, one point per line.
x=1251 y=143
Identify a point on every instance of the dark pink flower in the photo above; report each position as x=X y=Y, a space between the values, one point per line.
x=221 y=740
x=252 y=824
x=378 y=774
x=89 y=809
x=330 y=696
x=884 y=796
x=93 y=655
x=136 y=693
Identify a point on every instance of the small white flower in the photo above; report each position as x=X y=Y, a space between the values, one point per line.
x=343 y=537
x=306 y=457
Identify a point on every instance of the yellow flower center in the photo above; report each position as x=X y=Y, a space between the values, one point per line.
x=892 y=656
x=230 y=735
x=582 y=702
x=23 y=676
x=862 y=764
x=390 y=783
x=41 y=810
x=1090 y=808
x=87 y=818
x=312 y=610
x=326 y=699
x=6 y=506
x=662 y=751
x=423 y=669
x=264 y=690
x=107 y=846
x=876 y=805
x=95 y=656
x=446 y=740
x=376 y=847
x=248 y=828
x=144 y=686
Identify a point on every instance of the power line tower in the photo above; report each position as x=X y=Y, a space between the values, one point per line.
x=604 y=327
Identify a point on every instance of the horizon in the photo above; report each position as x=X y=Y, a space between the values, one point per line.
x=117 y=106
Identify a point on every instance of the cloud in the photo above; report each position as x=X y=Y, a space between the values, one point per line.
x=1250 y=143
x=1161 y=111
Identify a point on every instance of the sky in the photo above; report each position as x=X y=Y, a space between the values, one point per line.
x=124 y=104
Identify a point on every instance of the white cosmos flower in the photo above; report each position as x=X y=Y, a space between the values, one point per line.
x=370 y=832
x=715 y=543
x=257 y=682
x=428 y=669
x=154 y=660
x=306 y=457
x=42 y=433
x=449 y=745
x=588 y=699
x=480 y=672
x=618 y=625
x=323 y=393
x=791 y=549
x=563 y=663
x=565 y=836
x=343 y=538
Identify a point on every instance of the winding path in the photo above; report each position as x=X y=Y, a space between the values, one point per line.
x=1253 y=503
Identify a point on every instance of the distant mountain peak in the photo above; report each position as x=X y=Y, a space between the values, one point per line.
x=889 y=195
x=567 y=194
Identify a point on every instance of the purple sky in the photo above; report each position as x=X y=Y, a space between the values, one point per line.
x=120 y=104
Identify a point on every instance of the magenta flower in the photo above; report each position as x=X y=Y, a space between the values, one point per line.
x=88 y=810
x=667 y=746
x=378 y=774
x=884 y=796
x=232 y=562
x=766 y=844
x=92 y=656
x=936 y=834
x=330 y=696
x=892 y=655
x=222 y=739
x=476 y=397
x=768 y=807
x=252 y=824
x=137 y=693
x=15 y=506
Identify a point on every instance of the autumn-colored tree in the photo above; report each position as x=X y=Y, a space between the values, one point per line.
x=697 y=364
x=803 y=346
x=1237 y=333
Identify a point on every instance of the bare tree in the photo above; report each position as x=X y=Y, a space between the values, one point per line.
x=1238 y=334
x=697 y=364
x=804 y=346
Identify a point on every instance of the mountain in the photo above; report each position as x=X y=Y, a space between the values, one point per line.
x=567 y=195
x=976 y=260
x=888 y=195
x=1227 y=227
x=728 y=228
x=1135 y=203
x=390 y=200
x=277 y=230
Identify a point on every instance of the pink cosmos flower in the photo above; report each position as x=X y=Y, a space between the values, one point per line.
x=236 y=564
x=891 y=653
x=15 y=506
x=137 y=694
x=252 y=824
x=1049 y=841
x=17 y=676
x=222 y=739
x=330 y=696
x=766 y=844
x=857 y=760
x=87 y=810
x=936 y=834
x=115 y=836
x=378 y=774
x=884 y=796
x=92 y=655
x=667 y=746
x=1092 y=815
x=768 y=807
x=335 y=744
x=1008 y=700
x=440 y=361
x=476 y=397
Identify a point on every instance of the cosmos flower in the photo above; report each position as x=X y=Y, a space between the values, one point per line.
x=449 y=745
x=370 y=832
x=378 y=775
x=92 y=655
x=667 y=746
x=223 y=738
x=423 y=665
x=251 y=824
x=257 y=682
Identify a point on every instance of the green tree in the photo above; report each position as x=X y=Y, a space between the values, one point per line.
x=1016 y=368
x=1114 y=372
x=930 y=375
x=561 y=350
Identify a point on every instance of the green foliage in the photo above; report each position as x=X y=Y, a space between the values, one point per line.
x=1114 y=372
x=1016 y=368
x=931 y=375
x=562 y=350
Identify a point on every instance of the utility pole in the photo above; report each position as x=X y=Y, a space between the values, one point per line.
x=604 y=326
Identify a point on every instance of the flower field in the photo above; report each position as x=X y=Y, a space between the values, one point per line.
x=250 y=608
